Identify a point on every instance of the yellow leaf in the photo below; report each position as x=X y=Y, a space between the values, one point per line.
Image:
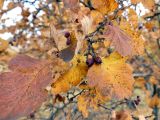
x=113 y=78
x=154 y=101
x=153 y=80
x=1 y=3
x=104 y=6
x=133 y=18
x=72 y=77
x=97 y=17
x=3 y=45
x=140 y=83
x=82 y=105
x=137 y=41
x=87 y=100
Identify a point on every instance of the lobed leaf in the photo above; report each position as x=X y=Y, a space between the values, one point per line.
x=72 y=77
x=23 y=89
x=119 y=39
x=113 y=78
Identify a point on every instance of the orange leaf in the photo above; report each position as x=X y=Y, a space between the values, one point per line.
x=86 y=101
x=112 y=78
x=104 y=6
x=154 y=101
x=1 y=3
x=122 y=115
x=82 y=105
x=3 y=45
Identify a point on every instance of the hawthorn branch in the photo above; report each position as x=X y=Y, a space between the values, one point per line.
x=152 y=16
x=87 y=5
x=100 y=27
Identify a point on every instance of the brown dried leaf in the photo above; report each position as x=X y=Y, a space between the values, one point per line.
x=22 y=89
x=137 y=41
x=72 y=4
x=120 y=40
x=11 y=5
x=122 y=115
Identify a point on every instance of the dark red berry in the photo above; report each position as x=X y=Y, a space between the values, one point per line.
x=32 y=115
x=97 y=60
x=90 y=62
x=136 y=102
x=68 y=42
x=67 y=34
x=77 y=21
x=110 y=23
x=71 y=99
x=138 y=99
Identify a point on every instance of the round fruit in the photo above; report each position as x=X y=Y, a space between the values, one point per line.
x=67 y=34
x=90 y=62
x=97 y=60
x=68 y=42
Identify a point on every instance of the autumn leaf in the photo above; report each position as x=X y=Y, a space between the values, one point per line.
x=72 y=4
x=133 y=17
x=72 y=77
x=154 y=101
x=120 y=40
x=143 y=111
x=23 y=89
x=86 y=101
x=11 y=5
x=1 y=3
x=96 y=16
x=3 y=45
x=82 y=105
x=113 y=78
x=137 y=41
x=122 y=115
x=104 y=6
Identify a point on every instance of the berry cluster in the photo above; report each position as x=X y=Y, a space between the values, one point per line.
x=137 y=101
x=91 y=61
x=68 y=36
